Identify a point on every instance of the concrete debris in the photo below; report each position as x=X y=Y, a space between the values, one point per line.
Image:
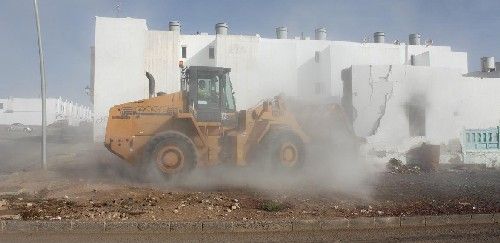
x=396 y=166
x=426 y=157
x=4 y=204
x=10 y=217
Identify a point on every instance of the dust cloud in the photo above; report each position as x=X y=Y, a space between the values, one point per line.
x=333 y=163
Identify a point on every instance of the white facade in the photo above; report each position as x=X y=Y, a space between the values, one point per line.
x=28 y=111
x=261 y=67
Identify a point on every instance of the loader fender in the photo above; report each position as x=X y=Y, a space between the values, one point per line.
x=186 y=123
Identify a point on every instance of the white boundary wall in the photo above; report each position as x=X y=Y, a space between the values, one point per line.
x=28 y=111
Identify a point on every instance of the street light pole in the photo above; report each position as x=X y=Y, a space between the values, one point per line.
x=43 y=89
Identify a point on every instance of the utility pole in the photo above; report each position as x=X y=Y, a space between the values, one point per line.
x=43 y=89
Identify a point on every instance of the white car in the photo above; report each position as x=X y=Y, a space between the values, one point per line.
x=19 y=127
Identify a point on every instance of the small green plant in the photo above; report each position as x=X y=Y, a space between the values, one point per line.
x=272 y=206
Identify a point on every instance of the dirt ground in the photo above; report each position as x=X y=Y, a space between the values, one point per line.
x=79 y=185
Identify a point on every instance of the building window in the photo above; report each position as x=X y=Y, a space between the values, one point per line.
x=317 y=88
x=211 y=52
x=316 y=56
x=184 y=52
x=1 y=106
x=468 y=138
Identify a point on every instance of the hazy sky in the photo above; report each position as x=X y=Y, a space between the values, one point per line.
x=68 y=30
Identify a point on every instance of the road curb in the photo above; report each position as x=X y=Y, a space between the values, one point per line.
x=8 y=226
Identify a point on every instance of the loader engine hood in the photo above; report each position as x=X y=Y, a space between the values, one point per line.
x=132 y=123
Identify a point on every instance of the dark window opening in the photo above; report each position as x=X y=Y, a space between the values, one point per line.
x=211 y=53
x=1 y=106
x=416 y=119
x=317 y=88
x=316 y=56
x=184 y=52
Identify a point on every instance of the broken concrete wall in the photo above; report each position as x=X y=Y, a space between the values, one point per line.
x=381 y=96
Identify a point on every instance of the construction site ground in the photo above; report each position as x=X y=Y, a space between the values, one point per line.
x=79 y=184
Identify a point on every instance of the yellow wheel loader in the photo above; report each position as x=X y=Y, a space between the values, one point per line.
x=200 y=126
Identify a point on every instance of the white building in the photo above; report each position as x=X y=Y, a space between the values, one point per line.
x=28 y=111
x=383 y=79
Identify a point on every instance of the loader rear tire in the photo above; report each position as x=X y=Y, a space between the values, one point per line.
x=282 y=149
x=169 y=153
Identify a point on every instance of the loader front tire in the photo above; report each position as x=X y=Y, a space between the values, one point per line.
x=170 y=153
x=282 y=150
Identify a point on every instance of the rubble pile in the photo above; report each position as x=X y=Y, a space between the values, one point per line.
x=396 y=166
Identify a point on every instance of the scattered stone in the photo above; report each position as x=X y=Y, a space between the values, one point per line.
x=11 y=217
x=228 y=210
x=176 y=211
x=235 y=200
x=29 y=205
x=233 y=207
x=4 y=204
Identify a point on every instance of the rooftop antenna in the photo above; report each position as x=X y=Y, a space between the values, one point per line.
x=429 y=42
x=117 y=8
x=366 y=39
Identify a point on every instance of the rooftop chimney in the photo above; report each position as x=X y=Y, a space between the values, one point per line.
x=221 y=28
x=281 y=33
x=320 y=33
x=379 y=37
x=487 y=64
x=414 y=39
x=174 y=26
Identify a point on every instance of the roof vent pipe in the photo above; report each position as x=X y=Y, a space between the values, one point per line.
x=379 y=37
x=281 y=33
x=221 y=28
x=174 y=26
x=414 y=39
x=487 y=64
x=320 y=33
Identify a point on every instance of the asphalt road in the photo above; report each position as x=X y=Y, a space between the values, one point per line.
x=462 y=233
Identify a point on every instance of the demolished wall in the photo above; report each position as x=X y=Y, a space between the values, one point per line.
x=381 y=96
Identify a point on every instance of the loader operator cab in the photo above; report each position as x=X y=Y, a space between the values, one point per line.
x=210 y=93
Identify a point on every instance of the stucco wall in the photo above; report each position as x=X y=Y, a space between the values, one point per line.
x=261 y=67
x=119 y=71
